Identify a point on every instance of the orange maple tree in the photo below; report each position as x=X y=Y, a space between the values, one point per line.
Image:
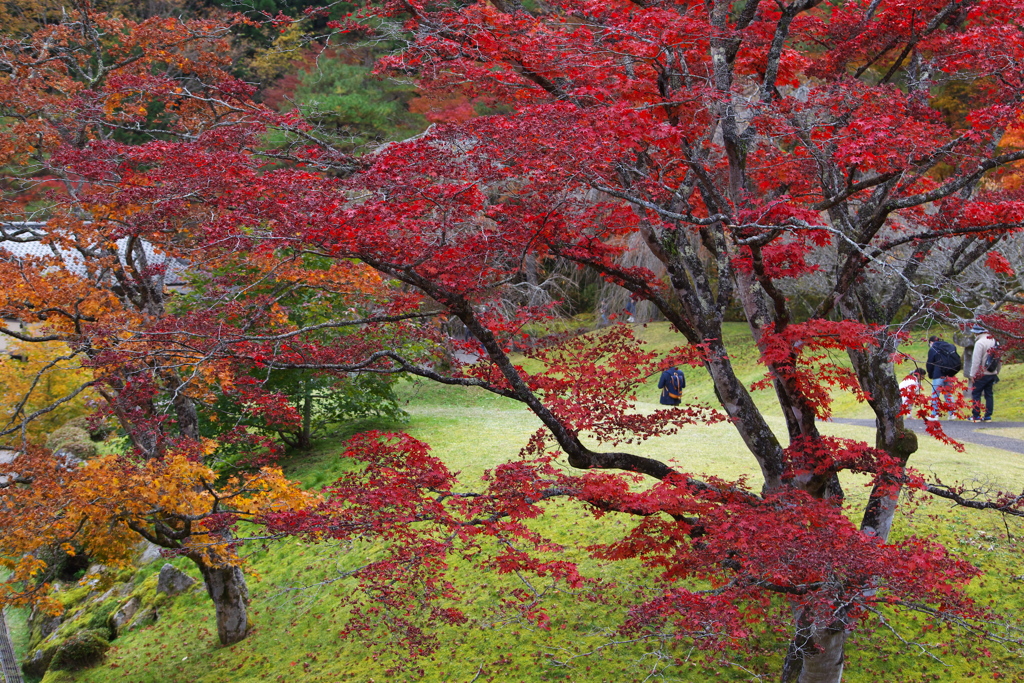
x=94 y=242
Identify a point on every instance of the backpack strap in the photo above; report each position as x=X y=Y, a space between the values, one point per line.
x=675 y=389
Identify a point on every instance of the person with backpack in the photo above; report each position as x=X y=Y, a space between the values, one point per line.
x=985 y=366
x=942 y=365
x=672 y=382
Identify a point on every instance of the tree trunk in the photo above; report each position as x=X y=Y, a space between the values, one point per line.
x=826 y=664
x=184 y=407
x=817 y=653
x=225 y=584
x=877 y=376
x=306 y=435
x=739 y=405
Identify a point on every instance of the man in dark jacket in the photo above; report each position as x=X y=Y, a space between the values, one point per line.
x=672 y=382
x=943 y=364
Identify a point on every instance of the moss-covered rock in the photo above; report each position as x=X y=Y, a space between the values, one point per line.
x=66 y=434
x=73 y=596
x=37 y=662
x=84 y=612
x=96 y=431
x=41 y=625
x=147 y=593
x=146 y=618
x=80 y=651
x=72 y=440
x=81 y=450
x=124 y=614
x=172 y=580
x=100 y=618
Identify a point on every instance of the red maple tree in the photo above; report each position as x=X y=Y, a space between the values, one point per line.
x=749 y=145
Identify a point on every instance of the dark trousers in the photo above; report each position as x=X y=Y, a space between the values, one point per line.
x=983 y=387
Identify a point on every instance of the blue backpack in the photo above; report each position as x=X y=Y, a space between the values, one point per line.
x=672 y=390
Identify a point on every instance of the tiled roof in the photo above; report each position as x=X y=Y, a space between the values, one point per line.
x=74 y=262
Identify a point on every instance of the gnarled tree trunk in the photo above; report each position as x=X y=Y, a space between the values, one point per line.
x=225 y=584
x=816 y=654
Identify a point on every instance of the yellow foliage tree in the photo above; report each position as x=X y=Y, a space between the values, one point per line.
x=173 y=502
x=44 y=378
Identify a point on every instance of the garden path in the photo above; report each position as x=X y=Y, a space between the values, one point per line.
x=978 y=433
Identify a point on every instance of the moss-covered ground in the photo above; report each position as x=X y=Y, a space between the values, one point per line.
x=298 y=590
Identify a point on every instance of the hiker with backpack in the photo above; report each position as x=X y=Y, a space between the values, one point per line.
x=985 y=366
x=942 y=365
x=672 y=382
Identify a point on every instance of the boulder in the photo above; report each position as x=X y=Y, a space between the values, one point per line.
x=80 y=651
x=173 y=581
x=124 y=614
x=72 y=444
x=150 y=553
x=48 y=625
x=74 y=454
x=36 y=664
x=146 y=618
x=7 y=457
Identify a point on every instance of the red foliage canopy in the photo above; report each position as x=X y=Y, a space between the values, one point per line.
x=744 y=148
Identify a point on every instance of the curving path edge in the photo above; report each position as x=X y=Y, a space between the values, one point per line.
x=961 y=430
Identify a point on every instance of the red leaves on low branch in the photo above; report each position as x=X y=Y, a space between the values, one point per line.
x=789 y=544
x=402 y=501
x=590 y=383
x=802 y=354
x=830 y=455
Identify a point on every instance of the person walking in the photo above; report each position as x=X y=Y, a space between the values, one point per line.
x=672 y=382
x=911 y=385
x=985 y=367
x=942 y=365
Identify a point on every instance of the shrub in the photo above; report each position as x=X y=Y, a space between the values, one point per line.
x=72 y=439
x=98 y=431
x=83 y=450
x=66 y=434
x=64 y=566
x=80 y=651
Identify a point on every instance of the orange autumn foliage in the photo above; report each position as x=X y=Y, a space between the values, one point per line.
x=85 y=507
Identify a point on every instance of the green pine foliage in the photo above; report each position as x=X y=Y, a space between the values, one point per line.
x=351 y=102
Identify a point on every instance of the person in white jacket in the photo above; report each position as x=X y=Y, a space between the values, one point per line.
x=911 y=385
x=981 y=379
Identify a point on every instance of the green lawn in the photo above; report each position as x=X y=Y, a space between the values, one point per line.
x=1008 y=432
x=297 y=588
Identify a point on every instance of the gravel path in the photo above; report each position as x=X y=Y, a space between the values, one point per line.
x=962 y=430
